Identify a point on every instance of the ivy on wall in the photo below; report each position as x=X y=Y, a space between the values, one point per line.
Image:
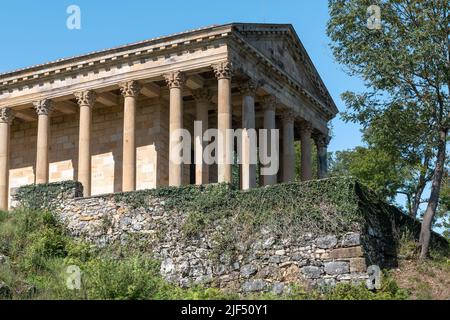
x=328 y=206
x=38 y=196
x=324 y=206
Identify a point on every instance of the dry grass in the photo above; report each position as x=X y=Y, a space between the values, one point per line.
x=429 y=280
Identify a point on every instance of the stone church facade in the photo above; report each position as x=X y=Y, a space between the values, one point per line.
x=105 y=118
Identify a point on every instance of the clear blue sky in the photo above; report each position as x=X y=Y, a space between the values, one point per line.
x=34 y=32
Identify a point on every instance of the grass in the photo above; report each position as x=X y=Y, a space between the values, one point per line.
x=424 y=280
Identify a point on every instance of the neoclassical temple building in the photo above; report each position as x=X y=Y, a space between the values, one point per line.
x=105 y=118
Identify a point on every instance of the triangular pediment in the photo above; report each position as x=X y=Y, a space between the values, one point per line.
x=281 y=45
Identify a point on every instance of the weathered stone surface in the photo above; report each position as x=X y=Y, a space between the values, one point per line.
x=358 y=265
x=275 y=259
x=278 y=288
x=326 y=242
x=326 y=283
x=248 y=270
x=337 y=267
x=351 y=239
x=291 y=273
x=312 y=272
x=343 y=253
x=256 y=285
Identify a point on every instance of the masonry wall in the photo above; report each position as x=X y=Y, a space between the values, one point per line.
x=266 y=263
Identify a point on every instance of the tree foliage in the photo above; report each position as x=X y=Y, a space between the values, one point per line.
x=374 y=167
x=405 y=66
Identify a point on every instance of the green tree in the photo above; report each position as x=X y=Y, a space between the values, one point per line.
x=405 y=64
x=374 y=167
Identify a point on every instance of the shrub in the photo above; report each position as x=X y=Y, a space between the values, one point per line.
x=135 y=277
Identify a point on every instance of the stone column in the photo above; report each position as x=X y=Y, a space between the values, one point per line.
x=175 y=82
x=6 y=118
x=130 y=91
x=288 y=146
x=202 y=98
x=43 y=109
x=224 y=146
x=269 y=108
x=322 y=154
x=248 y=168
x=305 y=138
x=86 y=100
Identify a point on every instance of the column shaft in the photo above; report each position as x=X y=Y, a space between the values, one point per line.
x=130 y=91
x=175 y=81
x=288 y=148
x=202 y=106
x=86 y=101
x=248 y=172
x=84 y=151
x=43 y=109
x=176 y=123
x=129 y=145
x=269 y=125
x=322 y=153
x=5 y=124
x=306 y=163
x=224 y=122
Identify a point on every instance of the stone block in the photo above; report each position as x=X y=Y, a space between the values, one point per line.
x=345 y=253
x=248 y=270
x=291 y=273
x=351 y=239
x=326 y=242
x=312 y=272
x=278 y=288
x=358 y=265
x=337 y=267
x=254 y=286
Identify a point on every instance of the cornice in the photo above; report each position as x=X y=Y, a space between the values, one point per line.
x=102 y=59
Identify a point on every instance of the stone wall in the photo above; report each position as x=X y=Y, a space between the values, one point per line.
x=266 y=263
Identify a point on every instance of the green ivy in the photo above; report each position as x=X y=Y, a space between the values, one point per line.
x=324 y=206
x=40 y=196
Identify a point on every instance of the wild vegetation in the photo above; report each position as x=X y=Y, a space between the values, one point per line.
x=38 y=252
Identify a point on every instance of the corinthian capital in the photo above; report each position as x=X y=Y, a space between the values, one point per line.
x=269 y=103
x=223 y=70
x=85 y=98
x=175 y=79
x=249 y=88
x=201 y=94
x=130 y=88
x=43 y=107
x=288 y=116
x=322 y=140
x=6 y=115
x=306 y=127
